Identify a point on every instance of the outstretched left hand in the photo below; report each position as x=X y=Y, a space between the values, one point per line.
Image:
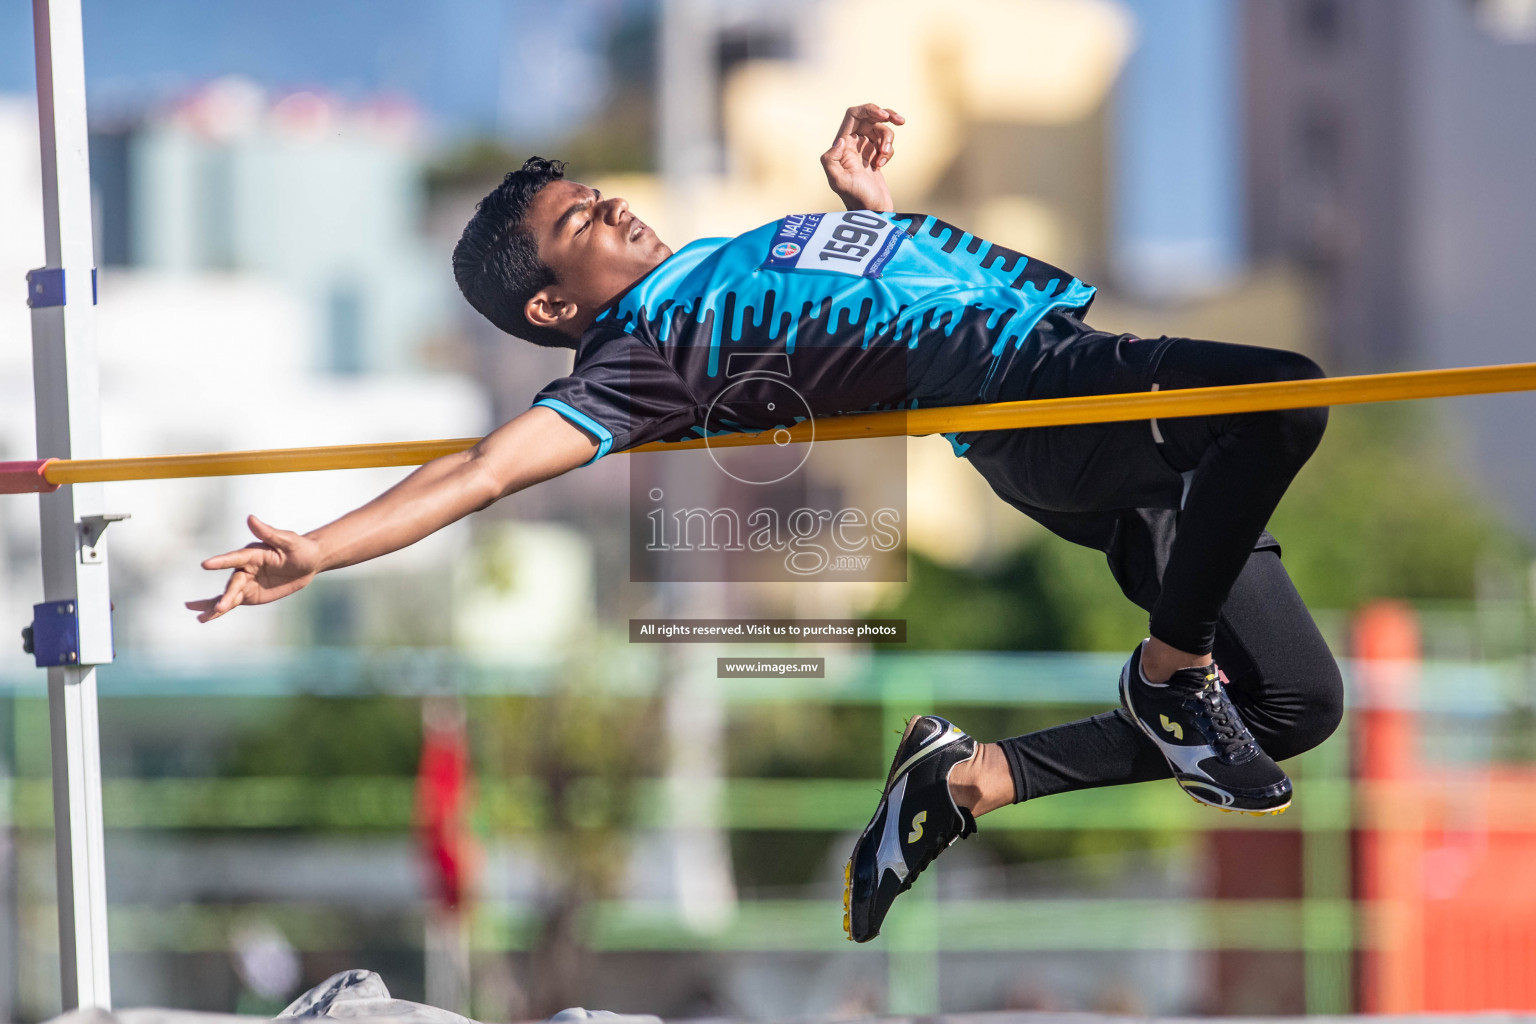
x=279 y=563
x=865 y=143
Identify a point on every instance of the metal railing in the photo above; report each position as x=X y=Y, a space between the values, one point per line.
x=1322 y=925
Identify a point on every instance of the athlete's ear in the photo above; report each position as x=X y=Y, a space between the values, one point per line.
x=547 y=308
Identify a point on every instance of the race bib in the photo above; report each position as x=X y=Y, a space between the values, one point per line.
x=857 y=242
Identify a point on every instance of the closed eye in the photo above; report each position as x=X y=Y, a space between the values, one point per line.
x=597 y=197
x=584 y=206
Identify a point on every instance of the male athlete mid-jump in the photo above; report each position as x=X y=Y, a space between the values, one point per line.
x=891 y=310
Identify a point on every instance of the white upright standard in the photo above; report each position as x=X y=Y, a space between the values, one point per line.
x=72 y=629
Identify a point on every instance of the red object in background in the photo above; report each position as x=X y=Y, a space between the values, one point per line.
x=1385 y=641
x=1447 y=855
x=443 y=794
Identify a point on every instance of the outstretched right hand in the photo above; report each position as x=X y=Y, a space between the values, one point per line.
x=279 y=563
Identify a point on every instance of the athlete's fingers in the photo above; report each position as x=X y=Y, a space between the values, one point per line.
x=867 y=112
x=234 y=594
x=882 y=135
x=860 y=112
x=871 y=117
x=207 y=609
x=204 y=608
x=245 y=586
x=282 y=540
x=875 y=112
x=869 y=152
x=885 y=138
x=836 y=160
x=250 y=555
x=211 y=608
x=849 y=122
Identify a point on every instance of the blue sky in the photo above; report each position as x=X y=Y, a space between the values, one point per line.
x=523 y=67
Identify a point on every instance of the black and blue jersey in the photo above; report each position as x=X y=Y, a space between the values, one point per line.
x=854 y=311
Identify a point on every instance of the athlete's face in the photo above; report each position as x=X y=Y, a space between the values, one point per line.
x=596 y=247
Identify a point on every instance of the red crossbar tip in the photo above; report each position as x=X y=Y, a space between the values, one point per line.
x=26 y=477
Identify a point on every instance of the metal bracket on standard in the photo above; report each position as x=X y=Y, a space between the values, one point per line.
x=91 y=528
x=55 y=634
x=53 y=639
x=45 y=287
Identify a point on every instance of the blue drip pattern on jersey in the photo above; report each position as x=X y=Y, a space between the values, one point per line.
x=716 y=291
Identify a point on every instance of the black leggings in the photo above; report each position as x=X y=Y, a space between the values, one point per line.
x=1239 y=466
x=1207 y=588
x=1279 y=673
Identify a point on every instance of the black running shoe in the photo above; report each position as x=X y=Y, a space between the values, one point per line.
x=1214 y=757
x=916 y=821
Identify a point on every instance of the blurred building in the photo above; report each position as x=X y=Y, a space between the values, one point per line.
x=1390 y=152
x=318 y=195
x=1178 y=227
x=227 y=322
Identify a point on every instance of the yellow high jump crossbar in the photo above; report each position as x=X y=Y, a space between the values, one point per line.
x=49 y=474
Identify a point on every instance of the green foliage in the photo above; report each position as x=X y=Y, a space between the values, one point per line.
x=477 y=164
x=322 y=737
x=1088 y=850
x=1046 y=596
x=587 y=750
x=766 y=863
x=796 y=741
x=1382 y=510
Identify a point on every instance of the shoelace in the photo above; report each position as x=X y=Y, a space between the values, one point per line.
x=1232 y=735
x=945 y=839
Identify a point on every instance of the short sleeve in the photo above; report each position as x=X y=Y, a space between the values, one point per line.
x=622 y=393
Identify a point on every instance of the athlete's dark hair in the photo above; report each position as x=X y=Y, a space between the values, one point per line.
x=496 y=262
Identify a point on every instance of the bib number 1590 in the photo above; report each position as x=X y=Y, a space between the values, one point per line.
x=858 y=243
x=854 y=238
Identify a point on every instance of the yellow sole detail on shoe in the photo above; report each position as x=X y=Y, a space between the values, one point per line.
x=848 y=899
x=1231 y=810
x=1266 y=814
